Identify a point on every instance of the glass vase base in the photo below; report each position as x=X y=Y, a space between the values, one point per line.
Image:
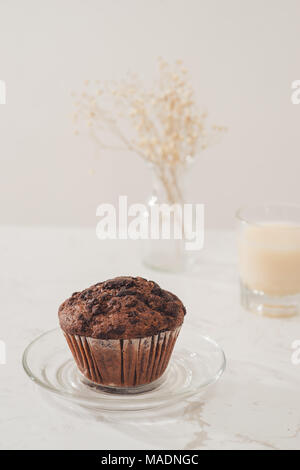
x=165 y=255
x=161 y=263
x=267 y=305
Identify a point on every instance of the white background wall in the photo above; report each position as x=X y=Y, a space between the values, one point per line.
x=242 y=54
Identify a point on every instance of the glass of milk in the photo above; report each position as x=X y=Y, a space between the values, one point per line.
x=269 y=259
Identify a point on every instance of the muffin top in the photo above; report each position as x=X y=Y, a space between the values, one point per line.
x=121 y=308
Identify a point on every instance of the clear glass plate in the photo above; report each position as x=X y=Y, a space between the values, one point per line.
x=196 y=363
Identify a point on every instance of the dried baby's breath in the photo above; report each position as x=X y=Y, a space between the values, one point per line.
x=162 y=124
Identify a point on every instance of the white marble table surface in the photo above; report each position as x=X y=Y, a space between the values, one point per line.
x=255 y=405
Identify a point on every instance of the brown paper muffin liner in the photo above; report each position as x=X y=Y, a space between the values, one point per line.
x=125 y=362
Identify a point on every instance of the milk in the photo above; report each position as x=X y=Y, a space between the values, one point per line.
x=269 y=258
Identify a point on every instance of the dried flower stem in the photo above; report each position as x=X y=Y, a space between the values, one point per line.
x=166 y=129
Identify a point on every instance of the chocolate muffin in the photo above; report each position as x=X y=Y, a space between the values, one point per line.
x=121 y=332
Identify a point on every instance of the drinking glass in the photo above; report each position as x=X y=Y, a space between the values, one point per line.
x=269 y=259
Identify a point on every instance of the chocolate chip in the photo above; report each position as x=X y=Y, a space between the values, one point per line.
x=132 y=314
x=172 y=309
x=124 y=292
x=157 y=291
x=118 y=283
x=96 y=310
x=131 y=303
x=117 y=330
